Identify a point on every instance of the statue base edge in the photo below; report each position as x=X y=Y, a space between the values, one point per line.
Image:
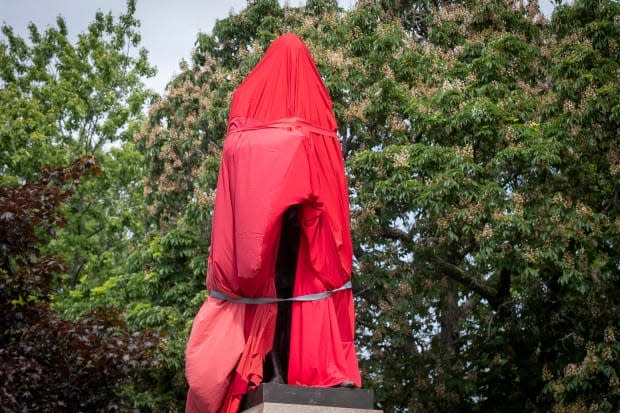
x=271 y=394
x=303 y=408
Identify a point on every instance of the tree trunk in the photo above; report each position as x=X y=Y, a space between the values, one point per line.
x=449 y=316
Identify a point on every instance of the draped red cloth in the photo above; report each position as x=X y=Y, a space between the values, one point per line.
x=281 y=150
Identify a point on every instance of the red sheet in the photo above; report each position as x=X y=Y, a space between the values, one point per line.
x=281 y=149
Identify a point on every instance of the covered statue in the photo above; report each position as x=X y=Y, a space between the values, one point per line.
x=281 y=162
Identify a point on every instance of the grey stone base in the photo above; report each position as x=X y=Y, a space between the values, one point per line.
x=300 y=408
x=281 y=398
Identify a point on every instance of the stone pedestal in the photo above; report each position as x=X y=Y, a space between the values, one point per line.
x=281 y=398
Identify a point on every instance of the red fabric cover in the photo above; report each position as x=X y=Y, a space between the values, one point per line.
x=281 y=149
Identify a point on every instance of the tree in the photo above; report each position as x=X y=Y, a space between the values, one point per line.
x=49 y=364
x=62 y=100
x=498 y=206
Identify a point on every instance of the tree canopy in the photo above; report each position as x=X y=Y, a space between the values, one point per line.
x=50 y=364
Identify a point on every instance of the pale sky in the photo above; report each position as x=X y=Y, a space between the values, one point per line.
x=168 y=27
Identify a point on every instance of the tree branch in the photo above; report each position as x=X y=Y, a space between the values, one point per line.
x=95 y=232
x=494 y=296
x=474 y=284
x=396 y=234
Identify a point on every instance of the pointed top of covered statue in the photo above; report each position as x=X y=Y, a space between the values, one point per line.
x=284 y=84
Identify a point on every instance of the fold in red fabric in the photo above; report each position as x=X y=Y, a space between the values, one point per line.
x=281 y=149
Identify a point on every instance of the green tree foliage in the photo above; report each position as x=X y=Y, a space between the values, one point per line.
x=49 y=364
x=488 y=231
x=61 y=99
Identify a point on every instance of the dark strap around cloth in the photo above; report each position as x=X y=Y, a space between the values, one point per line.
x=271 y=300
